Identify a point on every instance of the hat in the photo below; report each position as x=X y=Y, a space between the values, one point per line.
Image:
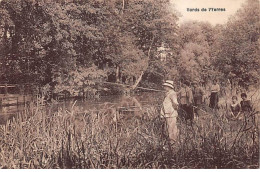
x=169 y=83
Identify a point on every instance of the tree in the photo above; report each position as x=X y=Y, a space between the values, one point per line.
x=45 y=39
x=51 y=40
x=143 y=26
x=237 y=48
x=196 y=39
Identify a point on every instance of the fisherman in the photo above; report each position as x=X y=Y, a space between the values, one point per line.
x=185 y=99
x=169 y=110
x=198 y=95
x=214 y=96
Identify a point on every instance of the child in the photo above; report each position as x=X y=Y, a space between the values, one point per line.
x=235 y=107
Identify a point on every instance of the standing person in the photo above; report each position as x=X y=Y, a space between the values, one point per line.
x=198 y=96
x=169 y=110
x=185 y=98
x=214 y=96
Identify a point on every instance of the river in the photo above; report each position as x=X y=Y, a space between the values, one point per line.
x=143 y=99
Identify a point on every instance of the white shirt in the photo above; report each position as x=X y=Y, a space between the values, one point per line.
x=167 y=110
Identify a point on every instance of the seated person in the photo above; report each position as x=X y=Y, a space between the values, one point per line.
x=247 y=110
x=246 y=105
x=235 y=107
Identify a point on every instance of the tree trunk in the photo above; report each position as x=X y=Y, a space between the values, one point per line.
x=138 y=80
x=141 y=75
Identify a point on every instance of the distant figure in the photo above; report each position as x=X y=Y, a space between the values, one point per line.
x=198 y=96
x=235 y=107
x=229 y=90
x=169 y=110
x=214 y=96
x=185 y=99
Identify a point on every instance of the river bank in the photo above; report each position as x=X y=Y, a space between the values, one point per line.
x=72 y=138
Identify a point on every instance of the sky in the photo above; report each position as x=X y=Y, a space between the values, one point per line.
x=220 y=17
x=231 y=6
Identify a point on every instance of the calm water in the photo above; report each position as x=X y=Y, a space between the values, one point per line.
x=115 y=101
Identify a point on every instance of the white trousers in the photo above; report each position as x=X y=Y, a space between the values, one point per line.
x=171 y=123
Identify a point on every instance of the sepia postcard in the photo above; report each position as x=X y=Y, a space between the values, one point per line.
x=129 y=84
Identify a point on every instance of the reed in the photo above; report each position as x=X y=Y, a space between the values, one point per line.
x=38 y=138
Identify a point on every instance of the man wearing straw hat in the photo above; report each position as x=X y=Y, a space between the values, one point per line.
x=169 y=110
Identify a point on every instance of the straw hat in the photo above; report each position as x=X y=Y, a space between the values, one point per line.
x=169 y=83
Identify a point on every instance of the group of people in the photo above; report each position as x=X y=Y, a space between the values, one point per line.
x=187 y=101
x=191 y=99
x=244 y=107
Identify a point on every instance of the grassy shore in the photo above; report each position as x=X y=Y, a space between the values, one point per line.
x=39 y=138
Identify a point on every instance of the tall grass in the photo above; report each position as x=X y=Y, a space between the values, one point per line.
x=39 y=138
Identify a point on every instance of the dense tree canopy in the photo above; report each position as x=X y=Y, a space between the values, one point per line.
x=44 y=41
x=225 y=52
x=71 y=45
x=236 y=50
x=195 y=59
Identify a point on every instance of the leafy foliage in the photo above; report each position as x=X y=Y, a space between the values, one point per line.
x=195 y=56
x=81 y=79
x=237 y=49
x=126 y=41
x=57 y=38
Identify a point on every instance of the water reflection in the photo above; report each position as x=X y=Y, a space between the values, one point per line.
x=126 y=103
x=114 y=101
x=8 y=112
